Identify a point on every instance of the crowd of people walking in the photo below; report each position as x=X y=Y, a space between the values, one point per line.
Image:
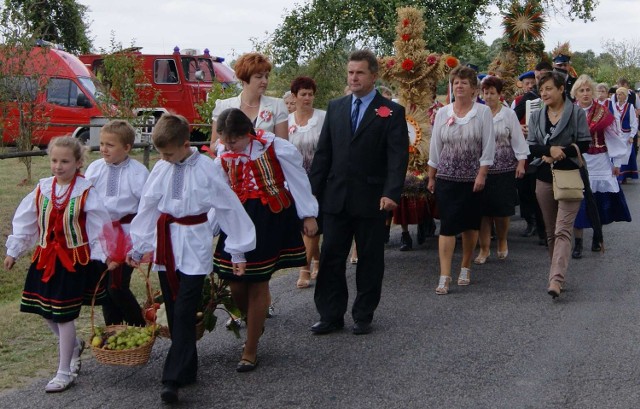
x=283 y=172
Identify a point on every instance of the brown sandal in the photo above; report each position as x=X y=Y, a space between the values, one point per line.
x=304 y=279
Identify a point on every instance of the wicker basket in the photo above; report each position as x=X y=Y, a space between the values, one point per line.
x=126 y=357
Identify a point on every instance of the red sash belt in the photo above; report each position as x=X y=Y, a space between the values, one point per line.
x=164 y=248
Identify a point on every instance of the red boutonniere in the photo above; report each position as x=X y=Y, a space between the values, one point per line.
x=292 y=129
x=451 y=120
x=384 y=112
x=266 y=115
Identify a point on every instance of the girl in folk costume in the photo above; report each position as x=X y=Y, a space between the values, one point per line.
x=628 y=124
x=258 y=165
x=64 y=217
x=602 y=96
x=606 y=151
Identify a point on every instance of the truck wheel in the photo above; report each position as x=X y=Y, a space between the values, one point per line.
x=84 y=137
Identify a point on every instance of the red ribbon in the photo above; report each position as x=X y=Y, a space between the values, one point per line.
x=47 y=260
x=164 y=247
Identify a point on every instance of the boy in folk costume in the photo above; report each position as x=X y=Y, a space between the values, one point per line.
x=64 y=217
x=176 y=219
x=118 y=180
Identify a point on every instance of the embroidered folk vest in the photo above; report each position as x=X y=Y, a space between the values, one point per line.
x=62 y=234
x=269 y=180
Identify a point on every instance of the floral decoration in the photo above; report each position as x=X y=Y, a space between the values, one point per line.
x=406 y=37
x=452 y=62
x=451 y=120
x=432 y=59
x=391 y=63
x=405 y=22
x=266 y=115
x=384 y=112
x=408 y=64
x=292 y=129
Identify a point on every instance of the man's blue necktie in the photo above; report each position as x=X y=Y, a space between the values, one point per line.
x=355 y=114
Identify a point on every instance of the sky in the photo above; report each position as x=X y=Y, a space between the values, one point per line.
x=227 y=29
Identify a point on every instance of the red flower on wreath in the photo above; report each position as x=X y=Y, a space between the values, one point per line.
x=452 y=62
x=405 y=22
x=384 y=112
x=432 y=59
x=408 y=64
x=406 y=37
x=391 y=63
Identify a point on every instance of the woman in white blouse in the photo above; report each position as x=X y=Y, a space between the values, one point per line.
x=500 y=194
x=305 y=124
x=266 y=113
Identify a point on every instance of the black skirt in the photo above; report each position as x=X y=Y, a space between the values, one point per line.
x=500 y=195
x=278 y=245
x=459 y=206
x=61 y=298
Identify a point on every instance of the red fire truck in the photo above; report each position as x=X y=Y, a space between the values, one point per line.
x=48 y=90
x=181 y=80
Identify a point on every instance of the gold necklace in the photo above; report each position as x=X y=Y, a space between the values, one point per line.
x=250 y=106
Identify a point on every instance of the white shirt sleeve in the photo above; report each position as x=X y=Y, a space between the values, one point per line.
x=232 y=218
x=98 y=224
x=518 y=142
x=296 y=177
x=143 y=226
x=435 y=146
x=488 y=137
x=25 y=227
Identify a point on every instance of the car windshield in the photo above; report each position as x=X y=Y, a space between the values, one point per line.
x=93 y=86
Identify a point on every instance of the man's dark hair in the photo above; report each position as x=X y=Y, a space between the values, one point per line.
x=368 y=56
x=543 y=66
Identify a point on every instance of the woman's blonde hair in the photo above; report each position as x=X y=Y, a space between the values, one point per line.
x=583 y=80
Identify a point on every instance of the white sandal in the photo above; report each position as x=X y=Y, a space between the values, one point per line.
x=465 y=276
x=76 y=362
x=58 y=384
x=443 y=285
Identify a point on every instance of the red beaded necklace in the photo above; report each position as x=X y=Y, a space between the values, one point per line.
x=61 y=202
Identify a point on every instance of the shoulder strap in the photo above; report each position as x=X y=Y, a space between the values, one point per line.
x=580 y=161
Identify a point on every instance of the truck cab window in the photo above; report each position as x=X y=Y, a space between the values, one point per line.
x=165 y=72
x=18 y=89
x=63 y=92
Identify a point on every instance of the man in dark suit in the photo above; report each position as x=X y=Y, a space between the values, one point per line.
x=357 y=175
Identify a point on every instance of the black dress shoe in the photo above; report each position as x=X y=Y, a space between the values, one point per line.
x=361 y=328
x=169 y=392
x=325 y=327
x=577 y=249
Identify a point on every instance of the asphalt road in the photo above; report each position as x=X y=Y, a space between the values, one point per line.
x=499 y=343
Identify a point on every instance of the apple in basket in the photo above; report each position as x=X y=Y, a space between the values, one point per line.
x=150 y=314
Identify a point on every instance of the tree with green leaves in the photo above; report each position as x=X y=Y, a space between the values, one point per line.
x=58 y=21
x=323 y=25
